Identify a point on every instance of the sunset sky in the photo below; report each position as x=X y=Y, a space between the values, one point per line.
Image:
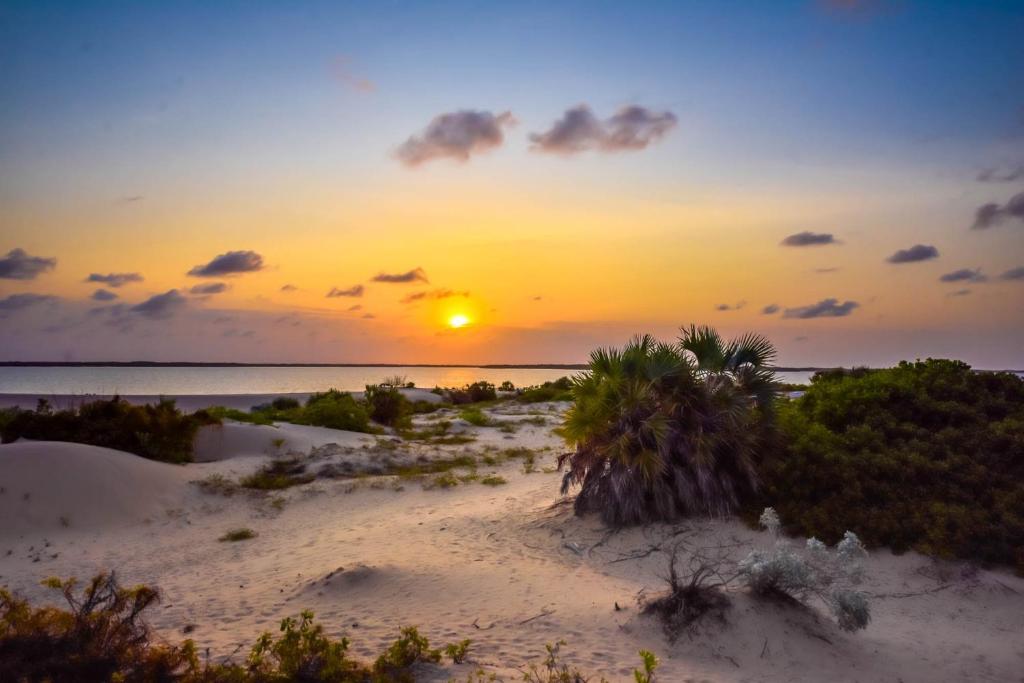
x=295 y=181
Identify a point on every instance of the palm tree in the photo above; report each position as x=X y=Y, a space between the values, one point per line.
x=661 y=431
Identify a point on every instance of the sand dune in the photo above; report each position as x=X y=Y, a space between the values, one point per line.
x=50 y=486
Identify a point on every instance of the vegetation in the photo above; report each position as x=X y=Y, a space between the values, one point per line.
x=818 y=572
x=157 y=431
x=493 y=480
x=473 y=393
x=476 y=417
x=102 y=636
x=665 y=430
x=558 y=390
x=280 y=473
x=237 y=535
x=927 y=456
x=332 y=408
x=387 y=405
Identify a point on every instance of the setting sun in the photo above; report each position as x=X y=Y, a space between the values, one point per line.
x=458 y=320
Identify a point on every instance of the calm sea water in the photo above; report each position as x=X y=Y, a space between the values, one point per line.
x=258 y=380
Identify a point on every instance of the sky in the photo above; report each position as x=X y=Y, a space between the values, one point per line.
x=337 y=182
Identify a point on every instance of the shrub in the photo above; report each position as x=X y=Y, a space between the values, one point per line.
x=457 y=651
x=411 y=648
x=926 y=456
x=493 y=480
x=692 y=594
x=99 y=637
x=237 y=535
x=558 y=390
x=473 y=393
x=661 y=431
x=476 y=417
x=387 y=404
x=278 y=474
x=828 y=575
x=337 y=410
x=284 y=403
x=156 y=431
x=507 y=386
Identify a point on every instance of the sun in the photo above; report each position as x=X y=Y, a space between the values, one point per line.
x=458 y=320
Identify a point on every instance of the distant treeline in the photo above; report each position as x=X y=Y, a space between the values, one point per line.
x=188 y=364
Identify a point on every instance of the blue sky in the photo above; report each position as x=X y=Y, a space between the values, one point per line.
x=866 y=118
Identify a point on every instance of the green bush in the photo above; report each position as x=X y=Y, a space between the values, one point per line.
x=386 y=404
x=334 y=409
x=558 y=390
x=473 y=393
x=926 y=456
x=278 y=474
x=156 y=431
x=475 y=416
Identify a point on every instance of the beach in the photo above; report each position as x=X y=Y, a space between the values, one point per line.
x=508 y=566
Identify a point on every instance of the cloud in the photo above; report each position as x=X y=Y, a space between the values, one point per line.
x=1001 y=175
x=960 y=292
x=103 y=295
x=343 y=74
x=456 y=135
x=832 y=269
x=727 y=307
x=414 y=275
x=231 y=263
x=354 y=291
x=357 y=307
x=808 y=239
x=632 y=128
x=1013 y=274
x=436 y=294
x=161 y=306
x=991 y=214
x=964 y=275
x=19 y=302
x=114 y=279
x=770 y=309
x=289 y=288
x=18 y=265
x=208 y=289
x=369 y=316
x=918 y=252
x=826 y=308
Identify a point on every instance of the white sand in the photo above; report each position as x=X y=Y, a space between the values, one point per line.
x=498 y=565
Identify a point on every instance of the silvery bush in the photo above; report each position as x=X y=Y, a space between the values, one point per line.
x=816 y=571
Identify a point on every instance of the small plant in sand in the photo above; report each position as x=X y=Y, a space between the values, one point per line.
x=476 y=417
x=695 y=590
x=387 y=405
x=217 y=483
x=493 y=480
x=458 y=652
x=237 y=535
x=829 y=574
x=280 y=473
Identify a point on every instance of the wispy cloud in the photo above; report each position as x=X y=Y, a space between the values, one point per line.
x=342 y=72
x=230 y=263
x=918 y=252
x=289 y=288
x=114 y=279
x=770 y=309
x=1001 y=174
x=964 y=275
x=436 y=294
x=20 y=302
x=809 y=239
x=992 y=214
x=414 y=275
x=579 y=130
x=18 y=265
x=959 y=293
x=731 y=307
x=209 y=289
x=456 y=135
x=103 y=295
x=161 y=306
x=353 y=291
x=1013 y=274
x=826 y=308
